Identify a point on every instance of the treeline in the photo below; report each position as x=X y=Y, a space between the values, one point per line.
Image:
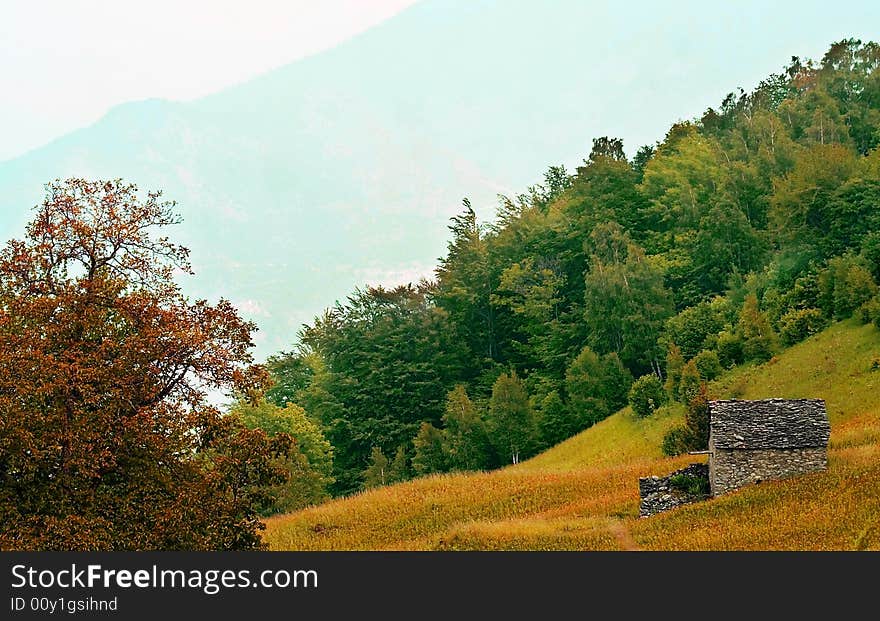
x=637 y=280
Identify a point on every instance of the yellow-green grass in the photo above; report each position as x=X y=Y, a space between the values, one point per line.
x=583 y=493
x=619 y=439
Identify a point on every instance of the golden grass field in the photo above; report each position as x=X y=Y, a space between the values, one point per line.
x=583 y=493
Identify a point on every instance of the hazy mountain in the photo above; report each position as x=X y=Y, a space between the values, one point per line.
x=344 y=167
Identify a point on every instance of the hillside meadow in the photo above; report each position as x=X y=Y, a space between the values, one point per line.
x=583 y=493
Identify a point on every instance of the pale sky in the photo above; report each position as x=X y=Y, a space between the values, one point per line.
x=64 y=63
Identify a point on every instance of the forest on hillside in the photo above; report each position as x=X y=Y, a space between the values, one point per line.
x=627 y=281
x=741 y=232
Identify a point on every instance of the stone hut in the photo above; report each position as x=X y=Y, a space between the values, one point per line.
x=754 y=441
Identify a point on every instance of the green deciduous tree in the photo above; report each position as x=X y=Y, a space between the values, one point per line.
x=845 y=285
x=625 y=301
x=464 y=433
x=693 y=328
x=708 y=365
x=646 y=395
x=555 y=420
x=429 y=455
x=596 y=387
x=398 y=469
x=378 y=471
x=512 y=424
x=758 y=338
x=689 y=385
x=674 y=365
x=312 y=474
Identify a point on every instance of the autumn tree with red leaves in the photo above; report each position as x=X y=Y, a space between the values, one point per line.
x=107 y=440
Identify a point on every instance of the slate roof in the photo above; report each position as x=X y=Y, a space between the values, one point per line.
x=769 y=424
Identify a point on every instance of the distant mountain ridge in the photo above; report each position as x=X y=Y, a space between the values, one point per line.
x=344 y=167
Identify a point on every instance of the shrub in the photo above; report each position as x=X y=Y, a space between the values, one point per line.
x=730 y=349
x=646 y=395
x=869 y=311
x=694 y=434
x=689 y=484
x=696 y=419
x=708 y=364
x=676 y=441
x=797 y=324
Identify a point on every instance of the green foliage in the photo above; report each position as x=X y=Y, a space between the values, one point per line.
x=311 y=461
x=429 y=456
x=398 y=469
x=869 y=311
x=694 y=434
x=674 y=365
x=464 y=286
x=596 y=387
x=730 y=348
x=689 y=484
x=708 y=365
x=377 y=472
x=291 y=375
x=694 y=326
x=556 y=421
x=512 y=425
x=758 y=338
x=293 y=421
x=531 y=291
x=725 y=243
x=781 y=298
x=697 y=420
x=689 y=385
x=681 y=179
x=871 y=253
x=845 y=285
x=852 y=215
x=465 y=443
x=304 y=379
x=760 y=215
x=800 y=323
x=799 y=203
x=646 y=395
x=676 y=441
x=625 y=300
x=391 y=359
x=617 y=382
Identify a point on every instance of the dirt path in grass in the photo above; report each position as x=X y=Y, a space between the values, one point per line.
x=620 y=531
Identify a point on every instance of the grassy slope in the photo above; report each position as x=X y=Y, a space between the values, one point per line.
x=583 y=493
